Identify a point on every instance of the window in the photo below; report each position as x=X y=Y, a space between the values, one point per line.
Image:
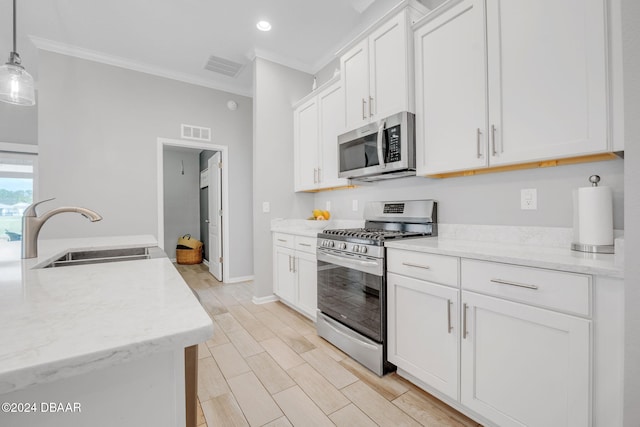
x=17 y=179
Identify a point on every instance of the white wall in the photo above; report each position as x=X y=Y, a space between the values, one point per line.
x=492 y=199
x=98 y=129
x=276 y=88
x=18 y=124
x=181 y=197
x=631 y=58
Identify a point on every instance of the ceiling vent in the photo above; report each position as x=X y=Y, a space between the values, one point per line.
x=223 y=66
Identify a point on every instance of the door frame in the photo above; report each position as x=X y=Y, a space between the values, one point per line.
x=217 y=193
x=224 y=152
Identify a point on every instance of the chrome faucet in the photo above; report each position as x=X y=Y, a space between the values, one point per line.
x=32 y=223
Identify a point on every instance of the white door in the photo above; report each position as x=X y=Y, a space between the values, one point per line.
x=547 y=79
x=423 y=331
x=284 y=274
x=451 y=112
x=524 y=366
x=306 y=269
x=331 y=124
x=306 y=146
x=355 y=77
x=215 y=215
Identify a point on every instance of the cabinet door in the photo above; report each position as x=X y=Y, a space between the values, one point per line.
x=331 y=124
x=451 y=112
x=388 y=69
x=524 y=366
x=307 y=272
x=306 y=145
x=423 y=331
x=547 y=79
x=284 y=279
x=355 y=80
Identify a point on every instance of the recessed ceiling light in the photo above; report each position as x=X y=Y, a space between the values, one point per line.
x=263 y=26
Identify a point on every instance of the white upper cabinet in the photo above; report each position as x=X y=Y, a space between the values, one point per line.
x=451 y=111
x=537 y=90
x=377 y=72
x=317 y=124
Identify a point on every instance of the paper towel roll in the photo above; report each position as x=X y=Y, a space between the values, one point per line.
x=595 y=216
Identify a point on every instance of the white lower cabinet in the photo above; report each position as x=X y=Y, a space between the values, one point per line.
x=422 y=331
x=295 y=272
x=524 y=366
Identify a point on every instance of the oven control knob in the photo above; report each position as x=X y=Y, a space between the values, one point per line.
x=343 y=245
x=363 y=249
x=356 y=248
x=331 y=244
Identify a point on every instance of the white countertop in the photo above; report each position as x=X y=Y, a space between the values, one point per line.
x=301 y=227
x=528 y=255
x=60 y=322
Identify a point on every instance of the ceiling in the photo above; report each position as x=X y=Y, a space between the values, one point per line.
x=175 y=38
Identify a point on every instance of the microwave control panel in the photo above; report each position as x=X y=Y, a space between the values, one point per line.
x=393 y=144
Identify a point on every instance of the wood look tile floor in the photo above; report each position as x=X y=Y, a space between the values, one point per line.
x=266 y=366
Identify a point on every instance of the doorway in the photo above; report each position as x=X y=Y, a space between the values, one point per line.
x=219 y=246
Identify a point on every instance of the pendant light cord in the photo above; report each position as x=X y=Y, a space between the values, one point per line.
x=14 y=25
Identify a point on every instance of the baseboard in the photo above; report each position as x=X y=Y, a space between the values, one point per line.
x=264 y=300
x=239 y=279
x=205 y=262
x=173 y=260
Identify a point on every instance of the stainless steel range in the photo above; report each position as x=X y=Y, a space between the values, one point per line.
x=352 y=283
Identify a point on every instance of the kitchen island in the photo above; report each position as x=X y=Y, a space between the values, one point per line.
x=99 y=344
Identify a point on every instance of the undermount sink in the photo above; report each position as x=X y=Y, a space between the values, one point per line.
x=98 y=256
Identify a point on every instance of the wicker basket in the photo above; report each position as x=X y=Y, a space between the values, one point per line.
x=189 y=256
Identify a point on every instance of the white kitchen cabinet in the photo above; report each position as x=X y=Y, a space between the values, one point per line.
x=317 y=123
x=524 y=366
x=545 y=95
x=377 y=72
x=422 y=331
x=295 y=272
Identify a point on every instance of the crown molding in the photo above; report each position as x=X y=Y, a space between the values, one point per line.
x=117 y=61
x=279 y=59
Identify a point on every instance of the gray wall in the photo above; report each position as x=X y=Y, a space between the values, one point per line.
x=631 y=58
x=98 y=127
x=19 y=124
x=181 y=197
x=276 y=88
x=492 y=199
x=204 y=203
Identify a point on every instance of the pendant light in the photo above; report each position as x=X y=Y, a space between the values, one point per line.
x=16 y=85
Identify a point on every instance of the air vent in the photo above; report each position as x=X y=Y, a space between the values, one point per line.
x=223 y=66
x=196 y=132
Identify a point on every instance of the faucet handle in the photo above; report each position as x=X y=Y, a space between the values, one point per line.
x=31 y=209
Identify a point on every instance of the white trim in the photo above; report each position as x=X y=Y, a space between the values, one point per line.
x=118 y=61
x=205 y=262
x=224 y=151
x=264 y=300
x=239 y=279
x=279 y=59
x=19 y=148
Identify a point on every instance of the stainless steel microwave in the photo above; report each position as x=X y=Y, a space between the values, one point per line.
x=381 y=150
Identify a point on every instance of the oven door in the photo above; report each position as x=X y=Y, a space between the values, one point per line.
x=351 y=290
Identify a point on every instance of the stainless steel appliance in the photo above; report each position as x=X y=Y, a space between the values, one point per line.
x=352 y=278
x=378 y=151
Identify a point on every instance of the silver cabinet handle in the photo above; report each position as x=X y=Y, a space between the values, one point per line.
x=464 y=320
x=364 y=117
x=304 y=244
x=370 y=104
x=449 y=326
x=315 y=176
x=319 y=176
x=493 y=140
x=289 y=263
x=293 y=264
x=520 y=285
x=478 y=134
x=282 y=240
x=425 y=267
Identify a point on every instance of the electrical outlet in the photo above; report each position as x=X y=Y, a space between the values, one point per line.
x=354 y=205
x=529 y=199
x=266 y=208
x=327 y=205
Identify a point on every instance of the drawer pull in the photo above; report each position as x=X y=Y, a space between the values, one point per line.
x=408 y=264
x=520 y=285
x=449 y=326
x=464 y=320
x=305 y=244
x=282 y=240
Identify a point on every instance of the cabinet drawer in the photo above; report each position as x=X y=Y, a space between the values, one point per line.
x=284 y=240
x=569 y=292
x=306 y=244
x=433 y=268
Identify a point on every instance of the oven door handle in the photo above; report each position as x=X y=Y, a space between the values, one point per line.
x=380 y=141
x=372 y=267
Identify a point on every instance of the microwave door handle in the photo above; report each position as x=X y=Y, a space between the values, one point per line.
x=380 y=142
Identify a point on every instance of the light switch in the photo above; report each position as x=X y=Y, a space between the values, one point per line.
x=529 y=199
x=266 y=208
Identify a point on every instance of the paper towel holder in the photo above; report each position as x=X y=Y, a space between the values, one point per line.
x=594 y=249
